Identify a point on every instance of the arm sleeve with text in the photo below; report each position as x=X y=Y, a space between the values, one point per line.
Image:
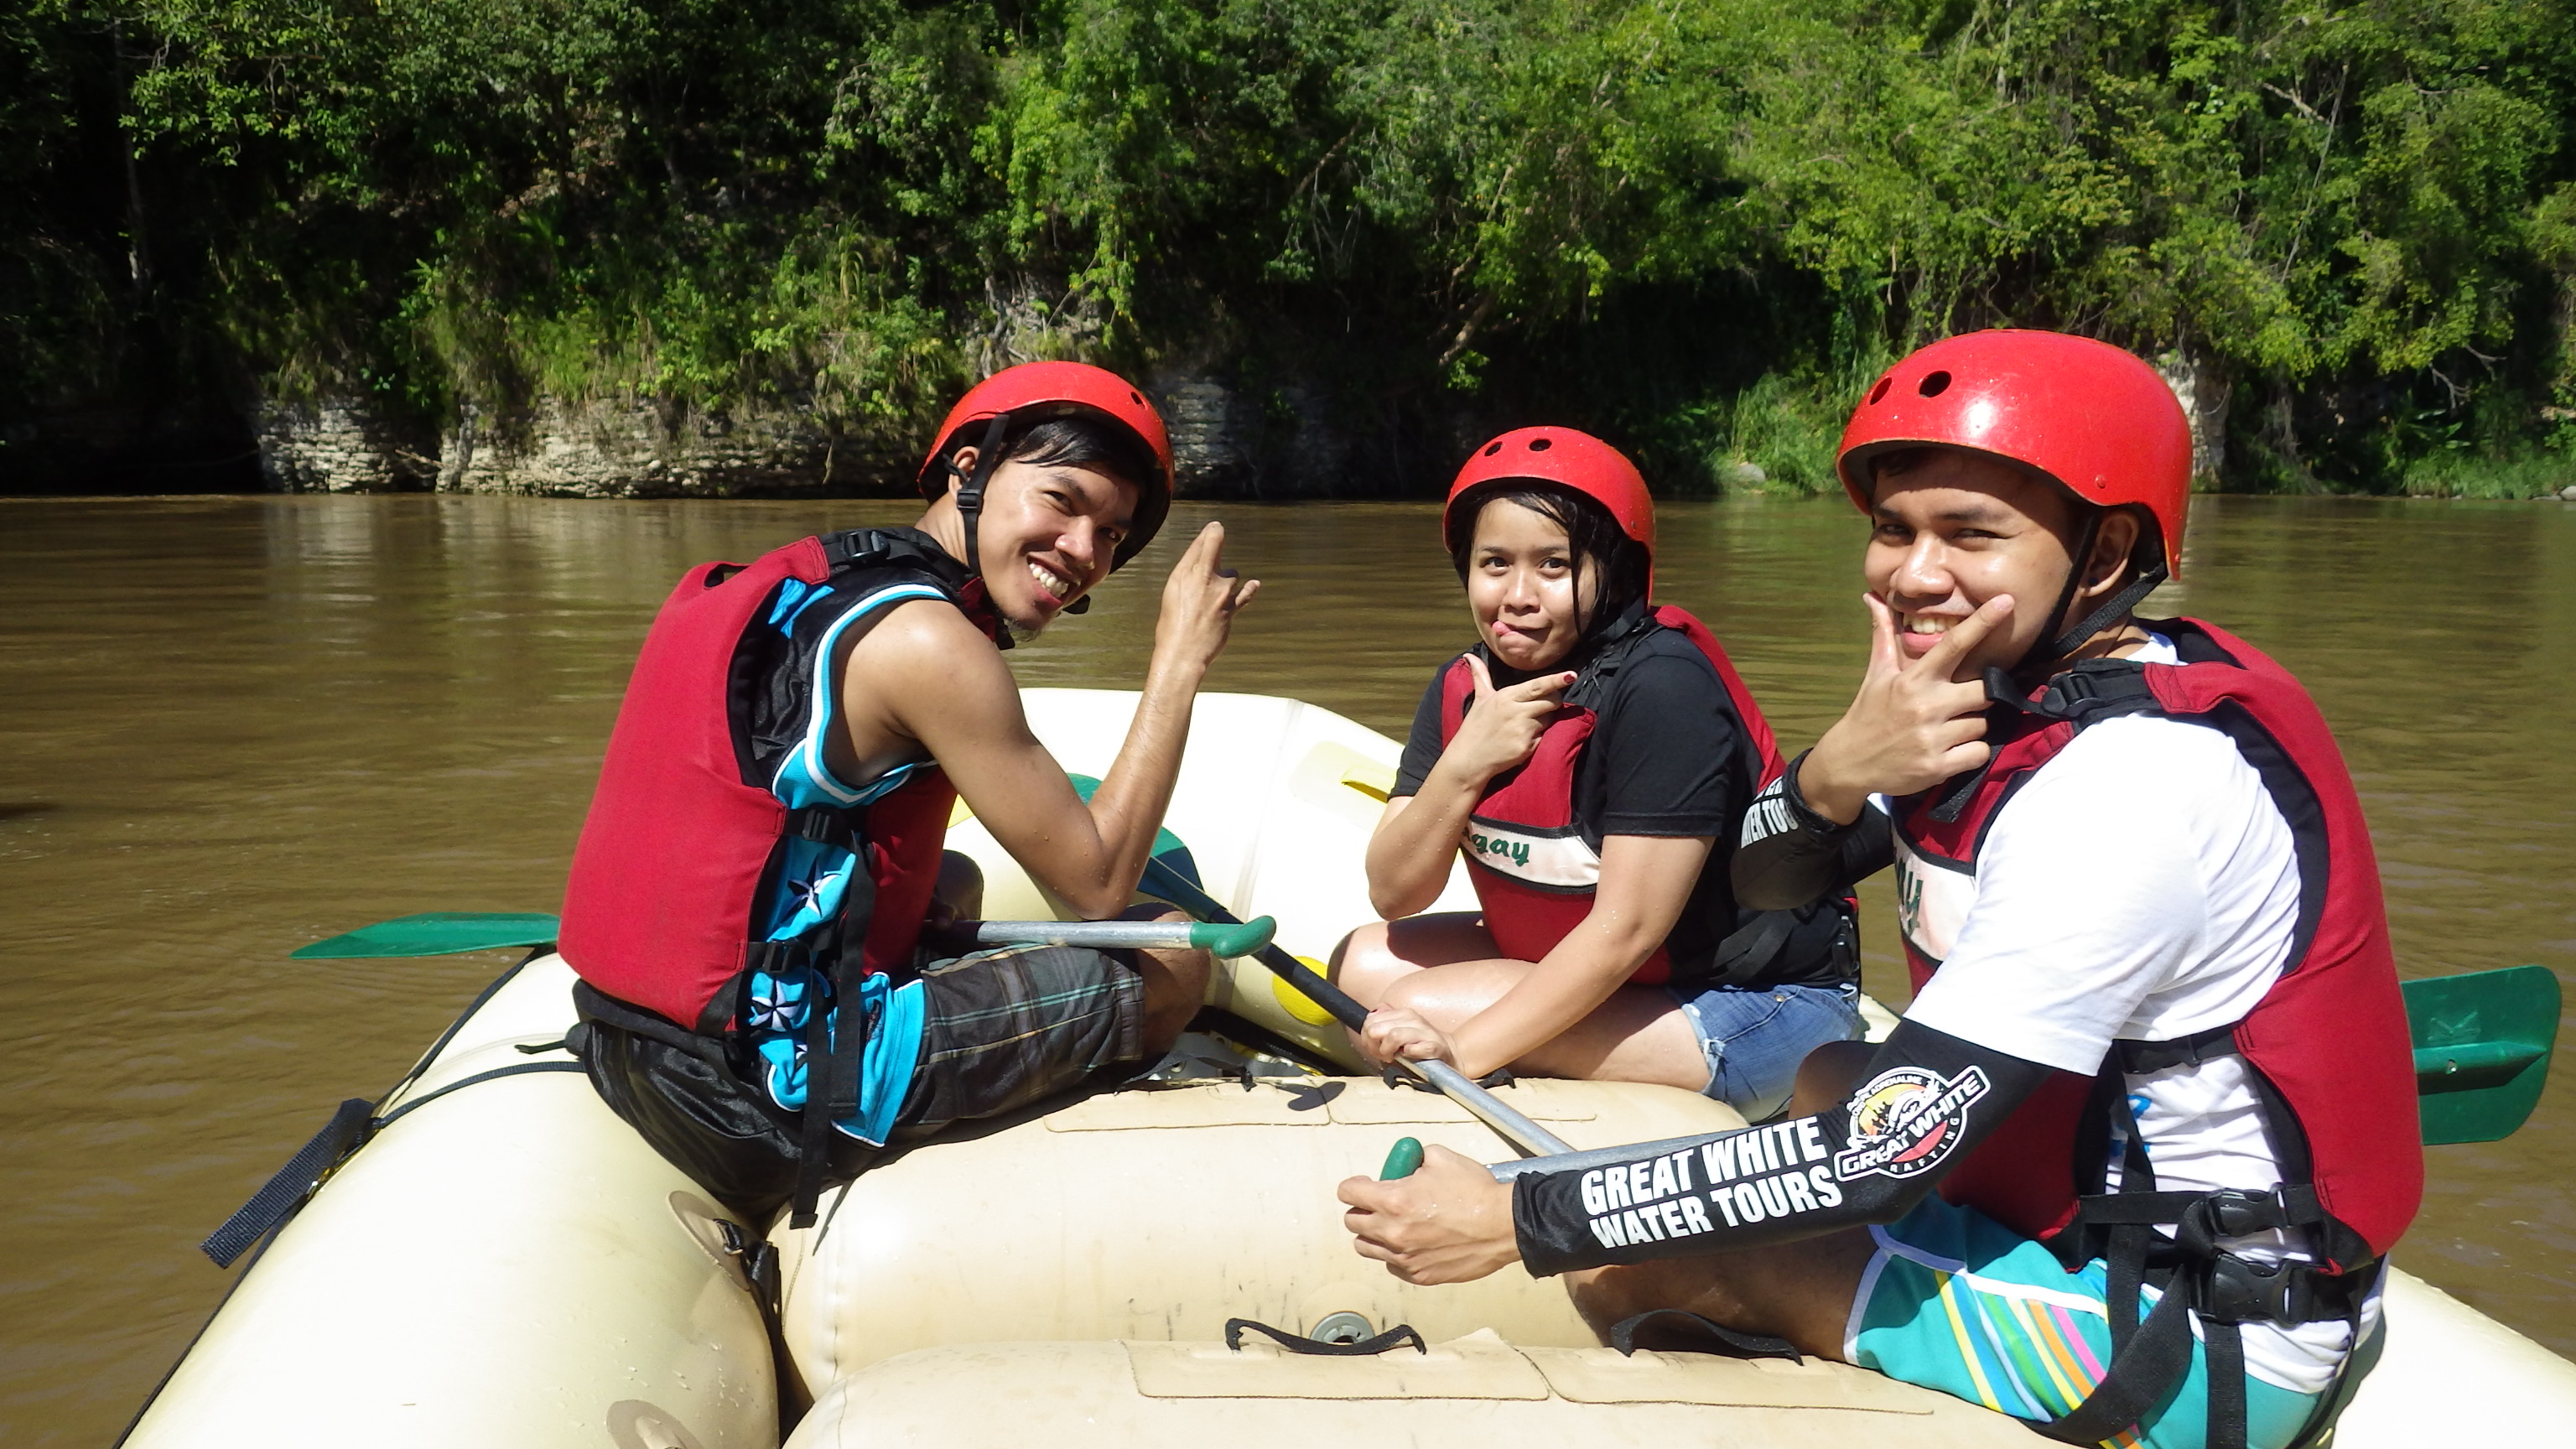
x=1929 y=1098
x=1787 y=855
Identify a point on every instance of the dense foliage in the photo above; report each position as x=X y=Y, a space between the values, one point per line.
x=1695 y=226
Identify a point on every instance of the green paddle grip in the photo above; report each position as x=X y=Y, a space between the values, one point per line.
x=1246 y=939
x=1401 y=1159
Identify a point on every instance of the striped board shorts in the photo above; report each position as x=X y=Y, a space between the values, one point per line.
x=1955 y=1301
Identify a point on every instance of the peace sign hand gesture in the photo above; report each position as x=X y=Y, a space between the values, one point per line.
x=1912 y=725
x=1502 y=726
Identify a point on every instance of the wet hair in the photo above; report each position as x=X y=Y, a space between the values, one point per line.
x=1077 y=441
x=1592 y=536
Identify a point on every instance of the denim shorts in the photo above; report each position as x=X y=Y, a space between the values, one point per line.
x=1755 y=1038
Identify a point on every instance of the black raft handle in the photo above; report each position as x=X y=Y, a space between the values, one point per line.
x=1726 y=1341
x=294 y=1182
x=1299 y=1343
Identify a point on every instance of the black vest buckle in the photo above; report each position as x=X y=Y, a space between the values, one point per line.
x=825 y=825
x=2230 y=1289
x=2096 y=689
x=2236 y=1212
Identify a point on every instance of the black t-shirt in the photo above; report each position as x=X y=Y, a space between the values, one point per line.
x=1667 y=757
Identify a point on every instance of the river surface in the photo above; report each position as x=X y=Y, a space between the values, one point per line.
x=231 y=726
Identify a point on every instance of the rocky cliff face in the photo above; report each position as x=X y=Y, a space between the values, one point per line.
x=1224 y=444
x=638 y=450
x=338 y=446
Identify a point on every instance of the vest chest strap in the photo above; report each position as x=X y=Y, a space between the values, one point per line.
x=2138 y=1058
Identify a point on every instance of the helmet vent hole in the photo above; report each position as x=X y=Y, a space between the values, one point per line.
x=1541 y=445
x=1934 y=383
x=1880 y=391
x=1492 y=448
x=1137 y=399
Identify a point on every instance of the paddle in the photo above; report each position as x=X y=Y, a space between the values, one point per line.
x=435 y=933
x=2482 y=1046
x=1163 y=881
x=1215 y=938
x=1402 y=1160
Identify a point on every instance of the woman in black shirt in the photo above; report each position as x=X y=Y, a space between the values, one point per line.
x=1587 y=756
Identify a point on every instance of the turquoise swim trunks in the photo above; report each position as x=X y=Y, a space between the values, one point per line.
x=1955 y=1301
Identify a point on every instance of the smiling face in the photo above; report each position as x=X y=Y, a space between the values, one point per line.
x=1957 y=528
x=1049 y=534
x=1522 y=587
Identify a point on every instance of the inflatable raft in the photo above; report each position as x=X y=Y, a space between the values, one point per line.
x=503 y=1263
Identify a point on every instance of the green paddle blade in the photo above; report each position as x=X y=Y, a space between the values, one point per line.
x=435 y=933
x=1167 y=846
x=2482 y=1047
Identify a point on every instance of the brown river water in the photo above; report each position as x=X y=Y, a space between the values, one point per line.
x=231 y=726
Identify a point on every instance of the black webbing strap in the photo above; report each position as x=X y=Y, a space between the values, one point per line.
x=1749 y=951
x=479 y=1078
x=970 y=494
x=825 y=825
x=2156 y=1356
x=832 y=1057
x=1394 y=1337
x=2234 y=1212
x=2149 y=1358
x=277 y=1200
x=2104 y=614
x=2199 y=1280
x=2087 y=694
x=2223 y=1345
x=2138 y=1058
x=1704 y=1336
x=814 y=1134
x=2110 y=611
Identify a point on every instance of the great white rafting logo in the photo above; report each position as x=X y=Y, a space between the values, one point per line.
x=1905 y=1120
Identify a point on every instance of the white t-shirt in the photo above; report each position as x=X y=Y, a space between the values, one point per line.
x=2140 y=886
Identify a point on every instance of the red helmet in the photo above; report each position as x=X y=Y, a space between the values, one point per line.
x=1578 y=461
x=2094 y=418
x=1063 y=389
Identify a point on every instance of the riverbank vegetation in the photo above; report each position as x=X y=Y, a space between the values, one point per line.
x=2347 y=230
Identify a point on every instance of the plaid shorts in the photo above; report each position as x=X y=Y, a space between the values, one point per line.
x=1001 y=1030
x=1006 y=1028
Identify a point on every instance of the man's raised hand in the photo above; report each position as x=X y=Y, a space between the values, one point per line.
x=1200 y=600
x=1914 y=723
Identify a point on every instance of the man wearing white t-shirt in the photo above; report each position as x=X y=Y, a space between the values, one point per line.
x=2156 y=1065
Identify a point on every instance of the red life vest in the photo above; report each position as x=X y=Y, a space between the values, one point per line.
x=1534 y=868
x=2327 y=1045
x=683 y=833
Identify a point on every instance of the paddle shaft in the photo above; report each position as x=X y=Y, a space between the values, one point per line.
x=1225 y=939
x=1520 y=1131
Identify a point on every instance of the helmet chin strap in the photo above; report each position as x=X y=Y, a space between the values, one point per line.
x=970 y=493
x=2128 y=596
